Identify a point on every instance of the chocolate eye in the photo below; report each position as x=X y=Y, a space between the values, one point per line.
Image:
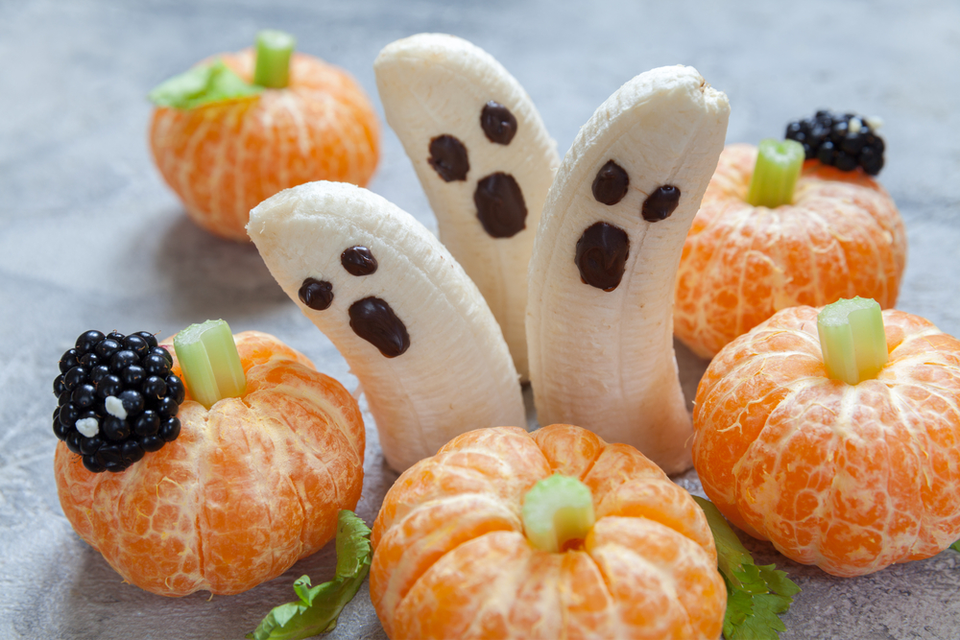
x=601 y=257
x=498 y=123
x=358 y=261
x=316 y=294
x=373 y=320
x=661 y=203
x=610 y=185
x=500 y=205
x=448 y=157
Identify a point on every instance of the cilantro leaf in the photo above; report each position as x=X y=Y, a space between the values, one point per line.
x=756 y=594
x=202 y=85
x=318 y=608
x=955 y=546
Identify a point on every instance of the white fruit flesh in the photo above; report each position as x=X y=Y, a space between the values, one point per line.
x=456 y=375
x=437 y=84
x=604 y=360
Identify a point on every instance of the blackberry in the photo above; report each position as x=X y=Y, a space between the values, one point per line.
x=844 y=141
x=117 y=400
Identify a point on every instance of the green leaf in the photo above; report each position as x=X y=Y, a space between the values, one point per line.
x=203 y=85
x=318 y=608
x=756 y=594
x=955 y=546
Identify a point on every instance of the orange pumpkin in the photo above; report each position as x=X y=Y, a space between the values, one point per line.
x=249 y=487
x=224 y=158
x=451 y=559
x=842 y=237
x=851 y=478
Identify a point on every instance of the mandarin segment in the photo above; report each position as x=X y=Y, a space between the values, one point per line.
x=571 y=451
x=503 y=463
x=433 y=529
x=451 y=559
x=466 y=594
x=662 y=502
x=851 y=478
x=249 y=487
x=587 y=603
x=666 y=591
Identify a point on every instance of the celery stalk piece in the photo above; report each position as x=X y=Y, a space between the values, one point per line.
x=210 y=362
x=274 y=49
x=775 y=175
x=557 y=510
x=852 y=339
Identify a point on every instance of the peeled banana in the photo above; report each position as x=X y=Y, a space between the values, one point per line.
x=483 y=157
x=599 y=314
x=412 y=326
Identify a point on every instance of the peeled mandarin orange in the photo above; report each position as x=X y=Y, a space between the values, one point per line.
x=851 y=478
x=842 y=237
x=451 y=558
x=249 y=487
x=224 y=158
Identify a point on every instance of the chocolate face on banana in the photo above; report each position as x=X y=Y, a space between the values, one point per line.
x=501 y=209
x=371 y=318
x=603 y=248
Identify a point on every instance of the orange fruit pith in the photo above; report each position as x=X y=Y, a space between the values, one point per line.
x=851 y=478
x=225 y=158
x=842 y=237
x=249 y=487
x=451 y=559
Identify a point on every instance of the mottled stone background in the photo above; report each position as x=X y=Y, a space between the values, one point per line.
x=91 y=237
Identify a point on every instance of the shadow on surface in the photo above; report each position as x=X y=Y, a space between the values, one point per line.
x=213 y=277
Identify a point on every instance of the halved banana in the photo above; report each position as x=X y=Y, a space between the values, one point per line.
x=483 y=157
x=600 y=309
x=412 y=326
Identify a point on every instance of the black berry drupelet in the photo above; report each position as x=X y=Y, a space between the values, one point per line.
x=844 y=141
x=117 y=399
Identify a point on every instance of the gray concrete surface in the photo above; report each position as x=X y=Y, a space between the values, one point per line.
x=91 y=237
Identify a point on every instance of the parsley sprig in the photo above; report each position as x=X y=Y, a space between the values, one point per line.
x=319 y=607
x=756 y=594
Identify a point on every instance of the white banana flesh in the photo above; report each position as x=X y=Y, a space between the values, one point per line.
x=600 y=315
x=435 y=87
x=412 y=326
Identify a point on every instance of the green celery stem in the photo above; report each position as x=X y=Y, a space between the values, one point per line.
x=852 y=339
x=557 y=511
x=775 y=174
x=274 y=49
x=210 y=362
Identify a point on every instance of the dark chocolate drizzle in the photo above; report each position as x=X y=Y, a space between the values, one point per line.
x=661 y=203
x=373 y=320
x=316 y=294
x=498 y=123
x=358 y=261
x=448 y=157
x=500 y=205
x=601 y=255
x=610 y=185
